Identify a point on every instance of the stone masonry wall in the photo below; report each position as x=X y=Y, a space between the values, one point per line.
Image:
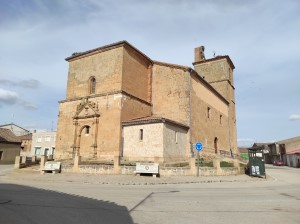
x=175 y=142
x=136 y=75
x=108 y=133
x=208 y=125
x=151 y=146
x=170 y=97
x=105 y=66
x=133 y=108
x=219 y=74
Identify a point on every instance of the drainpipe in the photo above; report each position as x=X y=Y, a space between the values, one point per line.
x=229 y=133
x=151 y=87
x=190 y=117
x=229 y=127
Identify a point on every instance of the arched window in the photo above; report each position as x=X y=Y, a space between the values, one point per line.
x=92 y=85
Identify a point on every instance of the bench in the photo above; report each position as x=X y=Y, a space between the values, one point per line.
x=147 y=168
x=51 y=166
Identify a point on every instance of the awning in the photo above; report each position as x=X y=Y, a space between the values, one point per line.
x=293 y=152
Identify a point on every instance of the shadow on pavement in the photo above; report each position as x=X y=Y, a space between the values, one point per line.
x=22 y=204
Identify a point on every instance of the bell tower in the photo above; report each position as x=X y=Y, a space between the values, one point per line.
x=218 y=72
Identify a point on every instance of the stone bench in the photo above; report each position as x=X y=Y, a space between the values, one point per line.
x=51 y=166
x=147 y=168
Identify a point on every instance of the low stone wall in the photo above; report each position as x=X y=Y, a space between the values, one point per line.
x=23 y=161
x=116 y=168
x=203 y=171
x=166 y=171
x=175 y=171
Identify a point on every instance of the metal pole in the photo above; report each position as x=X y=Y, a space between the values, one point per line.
x=198 y=164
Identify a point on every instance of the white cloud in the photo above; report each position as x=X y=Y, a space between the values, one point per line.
x=29 y=83
x=8 y=97
x=27 y=105
x=12 y=98
x=294 y=117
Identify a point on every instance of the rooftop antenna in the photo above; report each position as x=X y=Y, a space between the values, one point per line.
x=11 y=125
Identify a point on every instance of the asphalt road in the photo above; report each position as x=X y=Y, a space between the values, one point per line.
x=270 y=201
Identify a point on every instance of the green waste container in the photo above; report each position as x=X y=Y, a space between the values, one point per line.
x=256 y=164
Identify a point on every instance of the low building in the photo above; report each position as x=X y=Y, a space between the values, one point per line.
x=148 y=138
x=291 y=149
x=287 y=150
x=43 y=143
x=17 y=130
x=10 y=146
x=270 y=153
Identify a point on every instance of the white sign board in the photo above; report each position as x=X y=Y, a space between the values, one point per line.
x=52 y=166
x=146 y=168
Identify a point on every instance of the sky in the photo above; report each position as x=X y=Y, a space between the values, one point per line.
x=262 y=38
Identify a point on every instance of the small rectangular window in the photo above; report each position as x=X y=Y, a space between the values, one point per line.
x=220 y=119
x=39 y=139
x=1 y=153
x=47 y=139
x=87 y=130
x=208 y=112
x=141 y=134
x=176 y=137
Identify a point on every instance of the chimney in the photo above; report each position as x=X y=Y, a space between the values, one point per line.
x=199 y=54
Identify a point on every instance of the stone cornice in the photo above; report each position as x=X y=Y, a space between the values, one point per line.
x=106 y=94
x=153 y=119
x=216 y=59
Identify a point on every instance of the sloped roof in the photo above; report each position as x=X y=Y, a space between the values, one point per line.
x=109 y=46
x=294 y=152
x=8 y=136
x=289 y=140
x=243 y=149
x=215 y=59
x=255 y=144
x=151 y=120
x=26 y=137
x=185 y=68
x=12 y=124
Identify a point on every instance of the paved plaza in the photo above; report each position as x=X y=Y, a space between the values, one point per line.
x=26 y=196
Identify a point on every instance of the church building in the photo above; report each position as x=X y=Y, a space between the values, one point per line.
x=119 y=102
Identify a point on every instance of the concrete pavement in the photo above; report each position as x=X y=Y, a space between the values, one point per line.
x=237 y=199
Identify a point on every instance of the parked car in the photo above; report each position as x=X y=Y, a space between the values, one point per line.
x=278 y=163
